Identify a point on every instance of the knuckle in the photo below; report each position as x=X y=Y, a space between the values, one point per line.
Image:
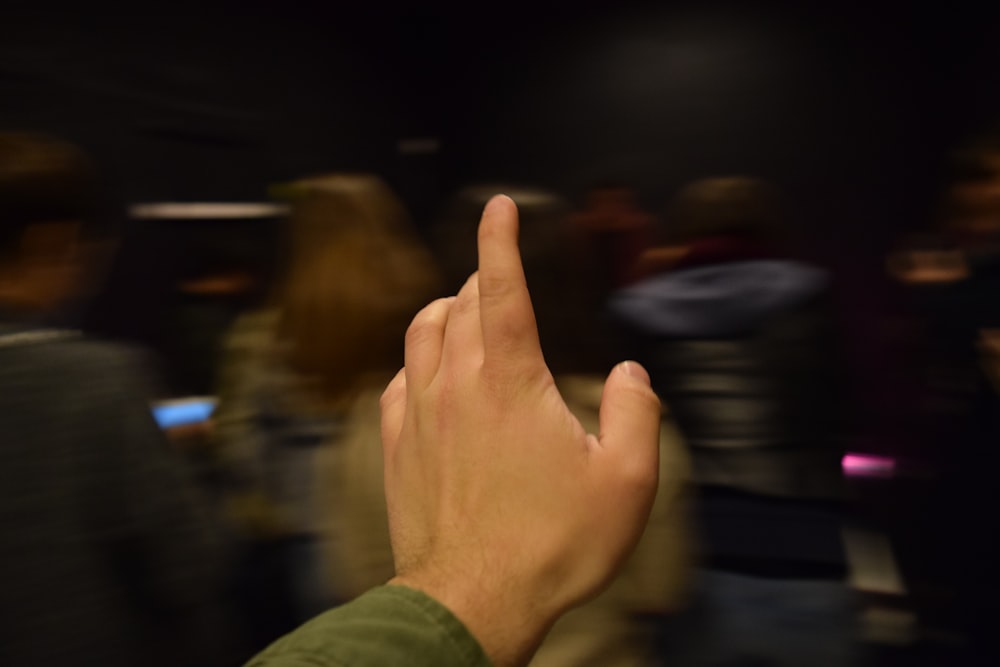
x=653 y=402
x=494 y=286
x=392 y=394
x=504 y=376
x=422 y=329
x=465 y=303
x=645 y=398
x=416 y=332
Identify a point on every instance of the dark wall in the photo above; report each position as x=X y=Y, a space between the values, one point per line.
x=210 y=102
x=850 y=109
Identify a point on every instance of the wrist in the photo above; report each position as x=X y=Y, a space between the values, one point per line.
x=508 y=622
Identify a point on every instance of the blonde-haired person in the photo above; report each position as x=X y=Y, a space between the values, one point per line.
x=292 y=372
x=620 y=626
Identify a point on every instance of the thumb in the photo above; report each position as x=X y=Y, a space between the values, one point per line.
x=630 y=420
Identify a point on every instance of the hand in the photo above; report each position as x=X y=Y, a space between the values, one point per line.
x=500 y=505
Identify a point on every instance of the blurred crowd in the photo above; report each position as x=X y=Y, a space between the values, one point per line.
x=190 y=460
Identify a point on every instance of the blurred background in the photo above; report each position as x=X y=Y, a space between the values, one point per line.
x=878 y=123
x=852 y=107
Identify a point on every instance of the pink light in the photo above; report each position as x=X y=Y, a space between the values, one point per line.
x=868 y=465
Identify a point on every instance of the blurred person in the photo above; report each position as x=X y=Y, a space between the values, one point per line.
x=620 y=626
x=221 y=281
x=927 y=259
x=957 y=316
x=504 y=512
x=740 y=343
x=611 y=232
x=971 y=205
x=108 y=556
x=299 y=374
x=185 y=272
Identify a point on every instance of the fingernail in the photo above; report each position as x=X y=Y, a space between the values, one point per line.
x=634 y=369
x=494 y=202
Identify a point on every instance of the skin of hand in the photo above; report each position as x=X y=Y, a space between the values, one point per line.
x=501 y=506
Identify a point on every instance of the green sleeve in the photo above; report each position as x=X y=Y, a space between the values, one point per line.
x=389 y=625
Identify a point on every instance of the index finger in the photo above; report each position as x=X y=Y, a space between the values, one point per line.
x=510 y=334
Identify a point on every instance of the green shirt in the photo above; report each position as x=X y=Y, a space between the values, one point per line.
x=388 y=625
